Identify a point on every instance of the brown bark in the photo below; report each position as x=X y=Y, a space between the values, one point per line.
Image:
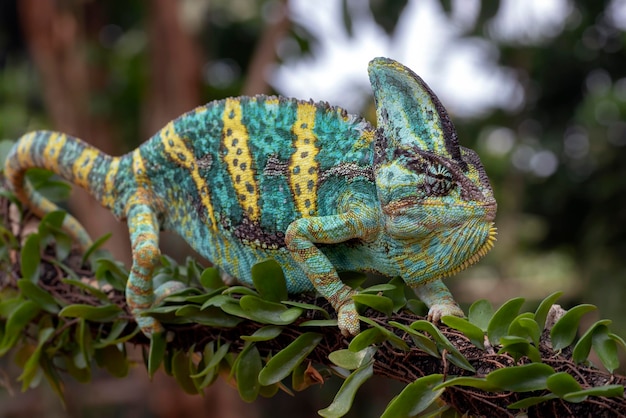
x=56 y=41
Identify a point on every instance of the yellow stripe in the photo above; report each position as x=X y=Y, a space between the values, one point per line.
x=303 y=169
x=238 y=159
x=109 y=195
x=139 y=170
x=177 y=150
x=56 y=142
x=24 y=150
x=83 y=165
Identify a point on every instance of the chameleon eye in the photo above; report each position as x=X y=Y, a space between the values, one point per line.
x=439 y=181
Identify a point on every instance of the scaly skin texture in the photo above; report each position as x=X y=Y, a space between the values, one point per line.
x=250 y=178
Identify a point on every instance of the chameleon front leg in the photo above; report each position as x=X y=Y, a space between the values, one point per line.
x=438 y=298
x=300 y=239
x=144 y=235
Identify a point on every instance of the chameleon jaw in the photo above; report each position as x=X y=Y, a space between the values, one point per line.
x=480 y=253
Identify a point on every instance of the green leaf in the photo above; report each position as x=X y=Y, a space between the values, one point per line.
x=474 y=382
x=19 y=318
x=390 y=337
x=562 y=383
x=181 y=370
x=526 y=378
x=105 y=313
x=544 y=307
x=531 y=401
x=609 y=391
x=266 y=333
x=378 y=288
x=83 y=338
x=453 y=354
x=480 y=314
x=113 y=358
x=269 y=280
x=605 y=347
x=345 y=396
x=248 y=367
x=499 y=323
x=518 y=347
x=365 y=339
x=214 y=360
x=319 y=323
x=220 y=301
x=112 y=272
x=583 y=346
x=268 y=312
x=415 y=397
x=240 y=290
x=471 y=331
x=351 y=360
x=45 y=183
x=564 y=331
x=210 y=279
x=212 y=316
x=157 y=352
x=31 y=368
x=279 y=366
x=30 y=258
x=308 y=307
x=113 y=336
x=421 y=341
x=380 y=303
x=95 y=246
x=94 y=291
x=38 y=295
x=525 y=326
x=397 y=294
x=416 y=306
x=75 y=364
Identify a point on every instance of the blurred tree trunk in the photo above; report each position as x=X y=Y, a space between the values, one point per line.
x=175 y=66
x=56 y=41
x=265 y=52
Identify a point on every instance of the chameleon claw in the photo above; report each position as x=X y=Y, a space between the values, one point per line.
x=439 y=310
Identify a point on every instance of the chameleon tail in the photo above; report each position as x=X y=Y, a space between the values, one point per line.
x=70 y=158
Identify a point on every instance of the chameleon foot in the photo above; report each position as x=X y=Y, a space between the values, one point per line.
x=148 y=324
x=439 y=310
x=167 y=289
x=348 y=320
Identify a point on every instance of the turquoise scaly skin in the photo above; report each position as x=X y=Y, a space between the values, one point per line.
x=250 y=178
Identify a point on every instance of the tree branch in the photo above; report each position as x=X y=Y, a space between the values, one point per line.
x=405 y=364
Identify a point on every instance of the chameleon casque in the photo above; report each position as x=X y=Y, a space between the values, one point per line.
x=319 y=190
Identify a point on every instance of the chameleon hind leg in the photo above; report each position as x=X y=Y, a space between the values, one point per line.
x=300 y=239
x=140 y=293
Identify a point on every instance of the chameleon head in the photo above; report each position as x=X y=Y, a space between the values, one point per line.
x=436 y=200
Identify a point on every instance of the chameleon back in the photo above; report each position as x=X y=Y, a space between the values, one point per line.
x=233 y=175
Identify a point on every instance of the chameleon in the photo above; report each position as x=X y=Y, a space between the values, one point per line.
x=317 y=189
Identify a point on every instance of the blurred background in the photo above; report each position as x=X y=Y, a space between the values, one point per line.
x=537 y=88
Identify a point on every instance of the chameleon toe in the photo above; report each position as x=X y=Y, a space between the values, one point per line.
x=348 y=320
x=436 y=312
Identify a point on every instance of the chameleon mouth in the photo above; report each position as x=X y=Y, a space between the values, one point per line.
x=480 y=253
